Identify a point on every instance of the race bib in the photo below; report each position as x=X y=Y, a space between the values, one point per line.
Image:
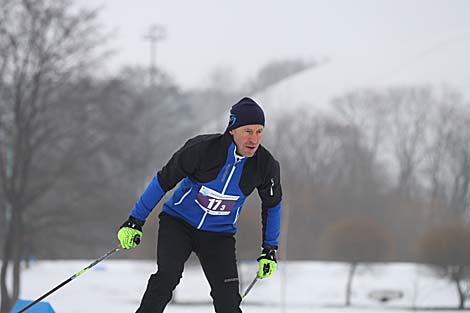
x=215 y=203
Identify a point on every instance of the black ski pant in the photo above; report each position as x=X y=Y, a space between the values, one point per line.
x=216 y=253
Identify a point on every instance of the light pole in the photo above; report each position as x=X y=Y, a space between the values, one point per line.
x=155 y=34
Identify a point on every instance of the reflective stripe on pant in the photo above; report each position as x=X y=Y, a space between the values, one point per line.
x=216 y=253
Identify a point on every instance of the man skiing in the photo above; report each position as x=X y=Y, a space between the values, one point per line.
x=217 y=173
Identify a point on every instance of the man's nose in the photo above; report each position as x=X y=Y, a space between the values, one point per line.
x=254 y=139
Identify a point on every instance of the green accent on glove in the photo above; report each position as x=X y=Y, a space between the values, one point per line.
x=267 y=267
x=127 y=235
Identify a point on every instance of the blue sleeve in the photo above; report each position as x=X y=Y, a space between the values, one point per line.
x=148 y=200
x=272 y=226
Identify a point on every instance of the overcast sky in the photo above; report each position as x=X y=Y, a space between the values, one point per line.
x=243 y=35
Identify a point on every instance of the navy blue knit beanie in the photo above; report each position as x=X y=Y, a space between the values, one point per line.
x=245 y=112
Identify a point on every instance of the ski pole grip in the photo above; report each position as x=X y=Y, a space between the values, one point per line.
x=266 y=268
x=137 y=239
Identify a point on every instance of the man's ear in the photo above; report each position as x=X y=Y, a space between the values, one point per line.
x=230 y=132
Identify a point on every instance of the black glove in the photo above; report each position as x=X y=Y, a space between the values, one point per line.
x=267 y=263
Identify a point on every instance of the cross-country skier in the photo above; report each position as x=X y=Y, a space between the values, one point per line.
x=217 y=173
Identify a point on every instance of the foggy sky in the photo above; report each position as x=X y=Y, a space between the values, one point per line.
x=241 y=36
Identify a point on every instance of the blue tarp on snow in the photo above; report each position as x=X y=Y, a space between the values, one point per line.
x=41 y=307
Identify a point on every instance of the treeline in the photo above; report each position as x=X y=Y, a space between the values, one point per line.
x=398 y=158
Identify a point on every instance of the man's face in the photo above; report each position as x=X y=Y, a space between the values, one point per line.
x=247 y=139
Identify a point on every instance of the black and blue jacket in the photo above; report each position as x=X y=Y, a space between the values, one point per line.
x=215 y=183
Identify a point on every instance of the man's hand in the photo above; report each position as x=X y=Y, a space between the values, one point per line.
x=267 y=263
x=130 y=233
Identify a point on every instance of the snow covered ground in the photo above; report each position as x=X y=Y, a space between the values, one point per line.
x=298 y=287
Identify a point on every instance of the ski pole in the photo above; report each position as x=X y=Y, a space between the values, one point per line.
x=65 y=282
x=249 y=287
x=265 y=270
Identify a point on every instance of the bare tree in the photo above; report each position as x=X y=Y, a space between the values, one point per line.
x=409 y=121
x=442 y=127
x=459 y=153
x=45 y=45
x=355 y=240
x=445 y=249
x=314 y=143
x=399 y=154
x=420 y=135
x=448 y=156
x=328 y=172
x=395 y=124
x=365 y=111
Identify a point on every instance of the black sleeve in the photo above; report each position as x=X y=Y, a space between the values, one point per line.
x=270 y=190
x=271 y=201
x=183 y=163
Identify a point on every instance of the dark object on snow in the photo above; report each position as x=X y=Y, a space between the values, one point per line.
x=41 y=307
x=385 y=295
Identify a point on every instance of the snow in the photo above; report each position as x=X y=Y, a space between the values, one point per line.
x=117 y=286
